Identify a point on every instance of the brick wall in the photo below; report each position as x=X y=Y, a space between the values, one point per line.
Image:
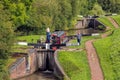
x=20 y=67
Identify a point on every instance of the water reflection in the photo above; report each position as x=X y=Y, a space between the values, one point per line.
x=40 y=76
x=84 y=31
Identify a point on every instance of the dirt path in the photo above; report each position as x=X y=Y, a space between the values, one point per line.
x=93 y=60
x=96 y=72
x=106 y=34
x=113 y=22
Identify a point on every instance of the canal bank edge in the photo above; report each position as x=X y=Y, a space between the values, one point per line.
x=21 y=68
x=58 y=70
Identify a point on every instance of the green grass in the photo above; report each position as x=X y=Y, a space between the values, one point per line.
x=75 y=64
x=20 y=48
x=108 y=52
x=83 y=40
x=103 y=49
x=117 y=19
x=24 y=49
x=30 y=37
x=4 y=64
x=106 y=22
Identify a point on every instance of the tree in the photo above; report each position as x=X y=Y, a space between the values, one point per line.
x=97 y=10
x=112 y=6
x=6 y=33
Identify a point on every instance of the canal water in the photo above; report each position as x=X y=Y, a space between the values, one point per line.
x=46 y=75
x=84 y=31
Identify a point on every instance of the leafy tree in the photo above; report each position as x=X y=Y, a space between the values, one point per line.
x=6 y=32
x=91 y=4
x=83 y=7
x=97 y=10
x=110 y=5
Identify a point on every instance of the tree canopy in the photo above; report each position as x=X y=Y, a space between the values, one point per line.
x=6 y=32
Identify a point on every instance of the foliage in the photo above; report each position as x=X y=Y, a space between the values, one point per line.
x=110 y=5
x=97 y=10
x=91 y=4
x=6 y=33
x=6 y=40
x=54 y=14
x=19 y=10
x=83 y=7
x=4 y=75
x=34 y=16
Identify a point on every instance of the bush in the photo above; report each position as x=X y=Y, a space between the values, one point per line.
x=4 y=74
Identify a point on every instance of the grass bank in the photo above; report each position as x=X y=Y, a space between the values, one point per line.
x=75 y=63
x=106 y=22
x=108 y=52
x=117 y=19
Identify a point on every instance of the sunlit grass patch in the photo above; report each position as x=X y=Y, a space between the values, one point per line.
x=117 y=19
x=28 y=39
x=75 y=64
x=106 y=22
x=31 y=38
x=109 y=55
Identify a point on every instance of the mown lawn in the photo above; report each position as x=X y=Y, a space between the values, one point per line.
x=29 y=39
x=117 y=19
x=108 y=50
x=106 y=22
x=75 y=63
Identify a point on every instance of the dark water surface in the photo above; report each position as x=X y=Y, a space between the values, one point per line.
x=40 y=76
